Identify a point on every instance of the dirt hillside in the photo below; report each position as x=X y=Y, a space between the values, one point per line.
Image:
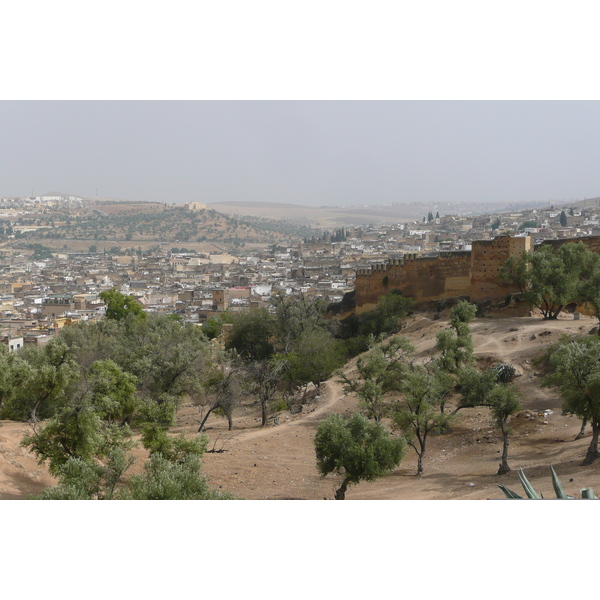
x=278 y=461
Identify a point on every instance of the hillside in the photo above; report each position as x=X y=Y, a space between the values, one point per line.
x=109 y=223
x=278 y=462
x=322 y=217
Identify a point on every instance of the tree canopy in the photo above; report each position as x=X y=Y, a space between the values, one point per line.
x=550 y=278
x=119 y=306
x=418 y=412
x=380 y=371
x=455 y=344
x=576 y=375
x=357 y=449
x=490 y=389
x=252 y=334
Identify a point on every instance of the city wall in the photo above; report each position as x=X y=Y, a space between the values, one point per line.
x=473 y=274
x=423 y=279
x=487 y=259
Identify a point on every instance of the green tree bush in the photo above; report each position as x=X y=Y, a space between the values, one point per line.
x=488 y=389
x=549 y=278
x=384 y=320
x=163 y=479
x=252 y=334
x=575 y=372
x=418 y=413
x=119 y=306
x=357 y=449
x=380 y=371
x=296 y=316
x=455 y=344
x=265 y=379
x=314 y=357
x=36 y=381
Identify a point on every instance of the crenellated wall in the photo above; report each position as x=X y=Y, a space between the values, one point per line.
x=422 y=278
x=474 y=274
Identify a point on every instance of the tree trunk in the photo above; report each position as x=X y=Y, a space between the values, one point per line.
x=592 y=452
x=206 y=417
x=263 y=407
x=504 y=468
x=582 y=430
x=229 y=421
x=421 y=453
x=420 y=463
x=340 y=494
x=33 y=415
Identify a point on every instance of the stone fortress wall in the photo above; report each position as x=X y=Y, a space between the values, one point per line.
x=487 y=258
x=424 y=279
x=471 y=274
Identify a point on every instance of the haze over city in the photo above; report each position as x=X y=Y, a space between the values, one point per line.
x=317 y=153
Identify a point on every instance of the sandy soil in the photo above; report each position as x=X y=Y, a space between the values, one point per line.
x=278 y=461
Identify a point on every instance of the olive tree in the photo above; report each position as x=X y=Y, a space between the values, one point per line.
x=549 y=278
x=503 y=401
x=172 y=472
x=252 y=334
x=89 y=426
x=314 y=356
x=357 y=449
x=589 y=284
x=163 y=479
x=418 y=413
x=380 y=371
x=486 y=388
x=36 y=381
x=298 y=315
x=455 y=343
x=119 y=306
x=576 y=375
x=264 y=380
x=224 y=388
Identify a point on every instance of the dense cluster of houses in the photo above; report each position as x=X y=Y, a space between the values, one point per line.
x=39 y=297
x=454 y=232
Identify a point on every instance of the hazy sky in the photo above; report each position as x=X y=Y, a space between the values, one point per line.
x=317 y=153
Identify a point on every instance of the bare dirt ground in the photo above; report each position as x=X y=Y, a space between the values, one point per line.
x=278 y=461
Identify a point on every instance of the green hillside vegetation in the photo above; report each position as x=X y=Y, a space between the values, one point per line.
x=169 y=225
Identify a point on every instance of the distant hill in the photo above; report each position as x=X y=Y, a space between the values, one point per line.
x=158 y=222
x=321 y=217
